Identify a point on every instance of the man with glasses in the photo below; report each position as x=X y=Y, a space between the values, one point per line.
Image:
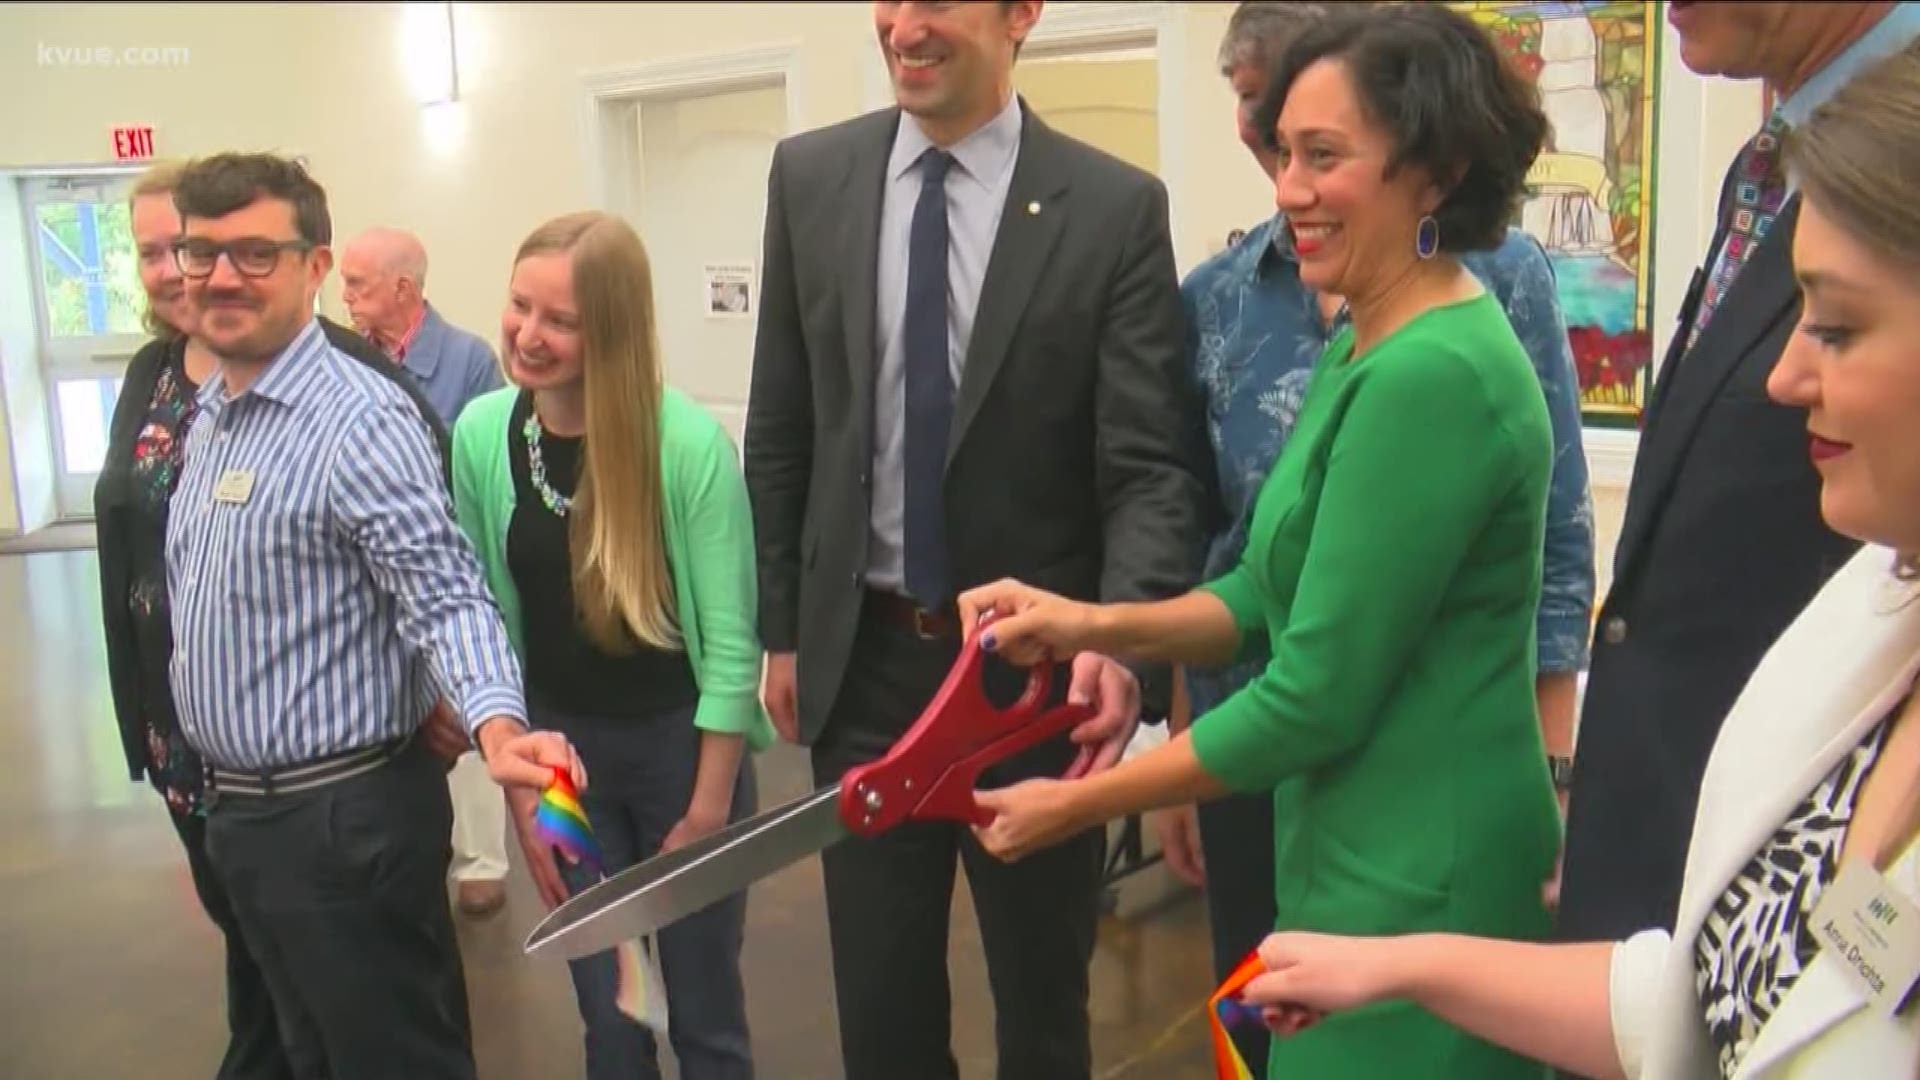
x=323 y=601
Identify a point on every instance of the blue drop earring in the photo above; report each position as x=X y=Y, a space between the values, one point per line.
x=1426 y=239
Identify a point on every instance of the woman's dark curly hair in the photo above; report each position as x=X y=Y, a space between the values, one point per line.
x=1451 y=103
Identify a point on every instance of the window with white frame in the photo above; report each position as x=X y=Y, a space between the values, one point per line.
x=88 y=308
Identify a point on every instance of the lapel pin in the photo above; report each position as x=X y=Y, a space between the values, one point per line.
x=1033 y=208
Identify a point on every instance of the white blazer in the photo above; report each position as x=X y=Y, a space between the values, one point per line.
x=1849 y=659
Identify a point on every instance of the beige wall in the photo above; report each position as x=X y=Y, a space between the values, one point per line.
x=1112 y=104
x=329 y=81
x=1609 y=507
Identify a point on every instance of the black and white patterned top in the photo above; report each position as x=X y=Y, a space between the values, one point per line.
x=1758 y=940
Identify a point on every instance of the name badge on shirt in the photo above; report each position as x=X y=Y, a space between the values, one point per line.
x=1873 y=931
x=235 y=486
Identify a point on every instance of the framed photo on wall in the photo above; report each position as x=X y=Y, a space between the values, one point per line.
x=729 y=290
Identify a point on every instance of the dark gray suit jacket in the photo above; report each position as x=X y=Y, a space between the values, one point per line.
x=1722 y=545
x=1076 y=451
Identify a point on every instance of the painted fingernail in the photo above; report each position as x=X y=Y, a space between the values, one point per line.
x=987 y=642
x=1235 y=1013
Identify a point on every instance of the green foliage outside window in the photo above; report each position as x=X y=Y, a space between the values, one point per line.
x=118 y=271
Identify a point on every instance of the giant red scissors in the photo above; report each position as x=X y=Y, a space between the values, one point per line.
x=930 y=774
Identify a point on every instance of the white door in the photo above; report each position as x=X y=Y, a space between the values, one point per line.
x=703 y=195
x=88 y=305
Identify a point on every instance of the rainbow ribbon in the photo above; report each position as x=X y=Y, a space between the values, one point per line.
x=1224 y=1010
x=562 y=822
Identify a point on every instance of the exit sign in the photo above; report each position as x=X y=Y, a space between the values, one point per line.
x=132 y=143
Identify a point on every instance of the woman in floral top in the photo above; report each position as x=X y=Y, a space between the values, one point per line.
x=157 y=405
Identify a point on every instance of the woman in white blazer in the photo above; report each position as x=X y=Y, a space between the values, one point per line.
x=1817 y=768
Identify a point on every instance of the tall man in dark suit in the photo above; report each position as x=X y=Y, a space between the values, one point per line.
x=968 y=366
x=1723 y=542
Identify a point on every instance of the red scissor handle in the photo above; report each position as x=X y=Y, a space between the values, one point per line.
x=930 y=774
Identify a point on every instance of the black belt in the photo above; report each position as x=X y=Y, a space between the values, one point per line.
x=306 y=776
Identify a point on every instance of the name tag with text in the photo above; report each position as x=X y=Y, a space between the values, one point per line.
x=1873 y=931
x=235 y=486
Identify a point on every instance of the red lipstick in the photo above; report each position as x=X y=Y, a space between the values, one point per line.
x=1825 y=449
x=1307 y=246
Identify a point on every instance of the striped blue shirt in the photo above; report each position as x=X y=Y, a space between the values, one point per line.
x=322 y=593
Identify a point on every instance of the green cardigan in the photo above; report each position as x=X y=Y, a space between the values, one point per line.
x=1393 y=563
x=709 y=546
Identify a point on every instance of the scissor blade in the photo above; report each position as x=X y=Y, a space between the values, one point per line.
x=666 y=888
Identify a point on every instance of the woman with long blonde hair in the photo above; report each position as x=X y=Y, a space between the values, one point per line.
x=611 y=517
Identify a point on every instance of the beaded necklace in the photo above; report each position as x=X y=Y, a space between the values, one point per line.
x=537 y=468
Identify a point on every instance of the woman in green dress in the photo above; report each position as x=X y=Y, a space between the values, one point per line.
x=1394 y=557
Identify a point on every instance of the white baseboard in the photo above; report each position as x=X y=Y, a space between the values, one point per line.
x=1610 y=453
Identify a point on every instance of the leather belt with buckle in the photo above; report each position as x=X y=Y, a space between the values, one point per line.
x=907 y=614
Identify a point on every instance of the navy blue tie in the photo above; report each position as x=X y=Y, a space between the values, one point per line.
x=929 y=414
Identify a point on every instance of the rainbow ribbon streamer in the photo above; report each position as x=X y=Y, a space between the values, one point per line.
x=562 y=822
x=1224 y=1010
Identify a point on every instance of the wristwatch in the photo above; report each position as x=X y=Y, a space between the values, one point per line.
x=1562 y=768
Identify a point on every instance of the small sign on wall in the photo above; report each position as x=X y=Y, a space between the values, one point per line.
x=729 y=290
x=132 y=143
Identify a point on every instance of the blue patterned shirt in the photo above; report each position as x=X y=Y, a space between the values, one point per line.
x=322 y=594
x=1257 y=331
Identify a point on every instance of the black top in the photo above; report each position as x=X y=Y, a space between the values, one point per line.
x=565 y=669
x=1722 y=546
x=158 y=453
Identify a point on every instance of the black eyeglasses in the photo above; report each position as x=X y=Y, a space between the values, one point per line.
x=252 y=257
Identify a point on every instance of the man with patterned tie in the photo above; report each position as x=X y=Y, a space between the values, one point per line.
x=1723 y=541
x=969 y=365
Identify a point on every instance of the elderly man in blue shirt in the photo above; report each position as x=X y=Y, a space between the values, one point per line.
x=1257 y=330
x=323 y=601
x=383 y=277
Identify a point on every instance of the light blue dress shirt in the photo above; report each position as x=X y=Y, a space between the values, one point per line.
x=451 y=365
x=1890 y=35
x=976 y=194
